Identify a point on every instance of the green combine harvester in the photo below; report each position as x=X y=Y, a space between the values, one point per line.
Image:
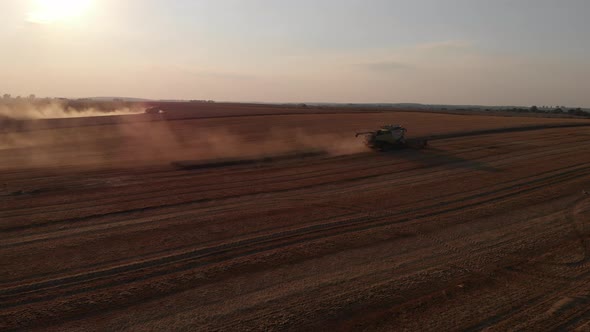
x=391 y=137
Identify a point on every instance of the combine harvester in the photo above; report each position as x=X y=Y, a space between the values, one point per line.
x=391 y=137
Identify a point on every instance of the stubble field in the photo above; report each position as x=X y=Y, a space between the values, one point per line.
x=481 y=230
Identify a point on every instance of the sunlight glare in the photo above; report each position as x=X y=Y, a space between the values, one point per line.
x=51 y=11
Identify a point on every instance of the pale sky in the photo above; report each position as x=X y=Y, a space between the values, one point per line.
x=500 y=52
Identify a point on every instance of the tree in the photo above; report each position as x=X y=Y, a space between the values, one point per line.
x=32 y=96
x=534 y=109
x=577 y=111
x=6 y=96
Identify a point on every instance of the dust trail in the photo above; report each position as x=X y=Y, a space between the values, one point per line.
x=331 y=143
x=159 y=142
x=25 y=109
x=130 y=142
x=222 y=143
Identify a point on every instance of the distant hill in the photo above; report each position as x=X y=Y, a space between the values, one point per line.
x=416 y=106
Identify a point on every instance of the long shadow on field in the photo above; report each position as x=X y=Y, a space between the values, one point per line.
x=435 y=157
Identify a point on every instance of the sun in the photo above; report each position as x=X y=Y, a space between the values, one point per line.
x=51 y=11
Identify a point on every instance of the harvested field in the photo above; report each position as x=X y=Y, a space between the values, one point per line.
x=487 y=228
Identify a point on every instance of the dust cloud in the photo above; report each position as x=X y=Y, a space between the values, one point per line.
x=157 y=141
x=25 y=109
x=130 y=142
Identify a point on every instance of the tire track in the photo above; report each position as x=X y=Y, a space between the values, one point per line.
x=190 y=260
x=248 y=183
x=28 y=296
x=458 y=198
x=400 y=209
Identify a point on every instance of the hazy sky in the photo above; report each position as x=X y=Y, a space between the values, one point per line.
x=500 y=52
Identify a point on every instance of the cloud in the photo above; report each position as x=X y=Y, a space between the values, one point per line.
x=417 y=56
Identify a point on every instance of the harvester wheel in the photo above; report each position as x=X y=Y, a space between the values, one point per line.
x=379 y=146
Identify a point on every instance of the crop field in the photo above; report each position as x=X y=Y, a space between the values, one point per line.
x=488 y=227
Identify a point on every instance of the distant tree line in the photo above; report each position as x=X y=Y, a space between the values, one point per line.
x=8 y=96
x=545 y=110
x=202 y=101
x=559 y=110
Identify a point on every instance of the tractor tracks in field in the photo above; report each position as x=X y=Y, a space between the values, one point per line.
x=422 y=177
x=386 y=181
x=17 y=295
x=35 y=292
x=530 y=303
x=361 y=216
x=408 y=209
x=561 y=284
x=140 y=195
x=169 y=217
x=454 y=264
x=577 y=225
x=378 y=176
x=506 y=130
